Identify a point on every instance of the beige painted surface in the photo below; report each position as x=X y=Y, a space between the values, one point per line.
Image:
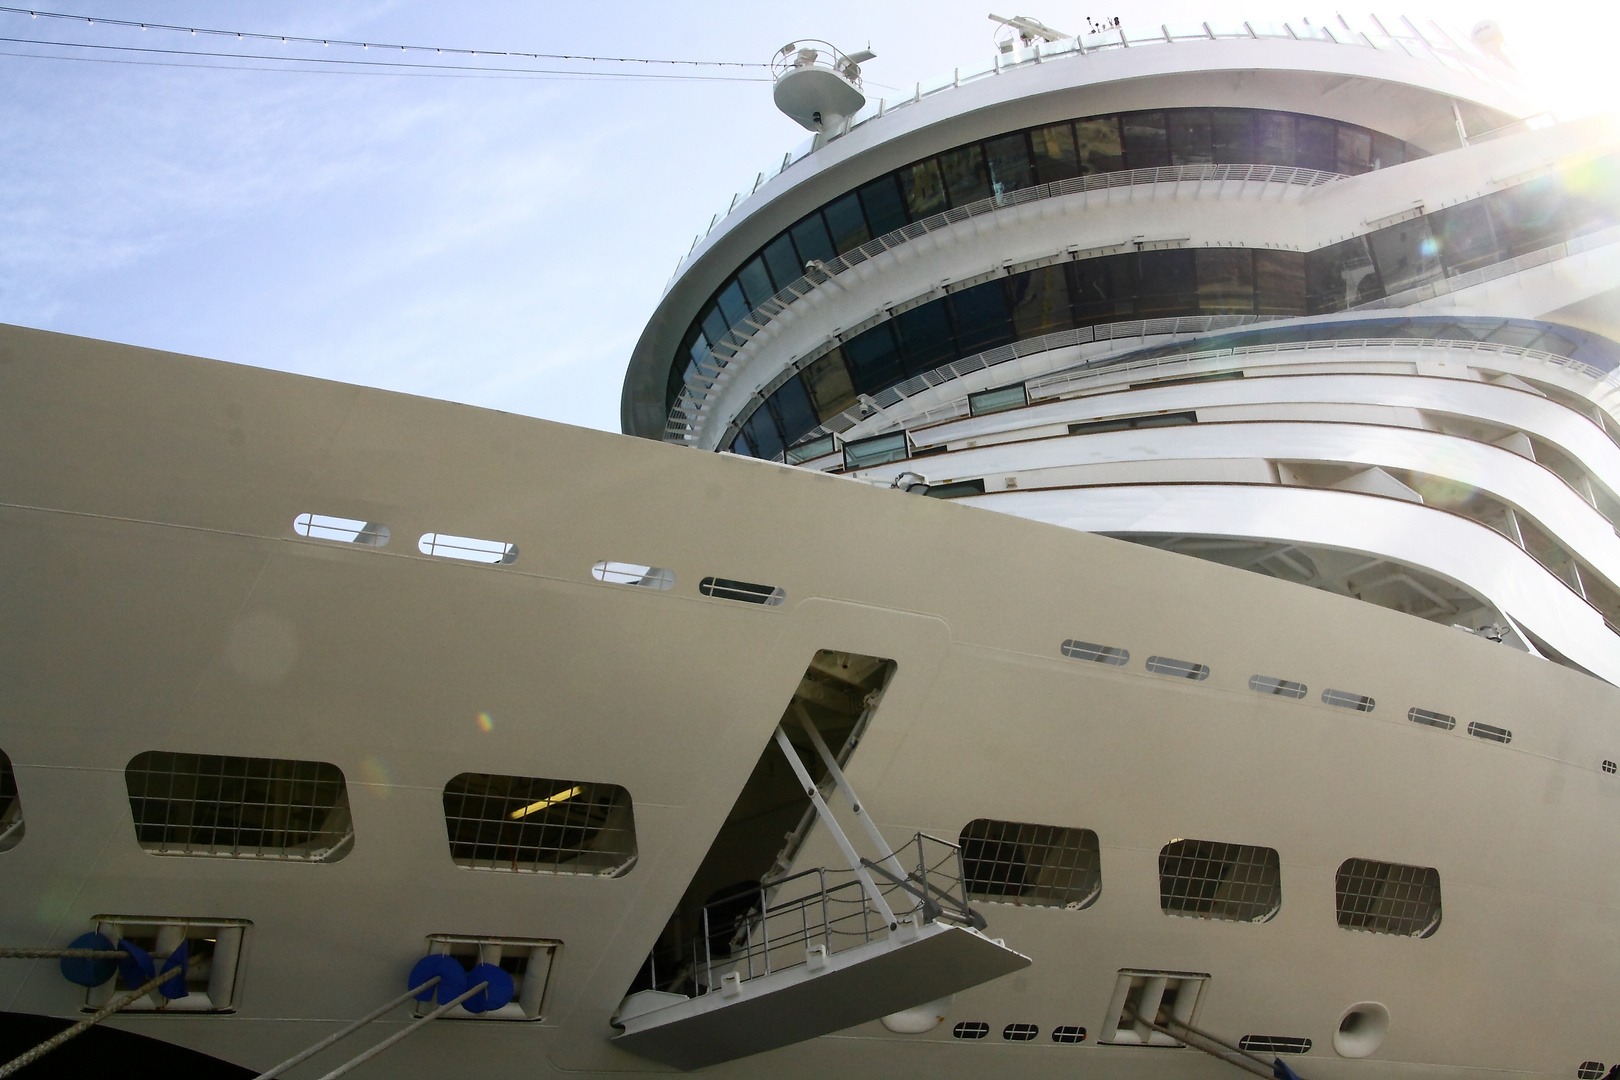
x=153 y=595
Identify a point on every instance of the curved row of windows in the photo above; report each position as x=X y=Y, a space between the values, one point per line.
x=1179 y=282
x=1021 y=159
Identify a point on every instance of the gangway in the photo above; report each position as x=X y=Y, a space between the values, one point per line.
x=821 y=950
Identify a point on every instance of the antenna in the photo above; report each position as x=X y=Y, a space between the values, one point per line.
x=1030 y=29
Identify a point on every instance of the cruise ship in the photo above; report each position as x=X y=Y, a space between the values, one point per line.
x=1112 y=569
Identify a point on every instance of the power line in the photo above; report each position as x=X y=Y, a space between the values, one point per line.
x=392 y=67
x=241 y=35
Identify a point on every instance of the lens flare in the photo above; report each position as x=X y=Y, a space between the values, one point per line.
x=485 y=722
x=375 y=776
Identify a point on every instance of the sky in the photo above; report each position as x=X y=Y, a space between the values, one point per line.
x=498 y=241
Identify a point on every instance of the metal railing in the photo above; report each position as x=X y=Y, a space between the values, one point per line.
x=702 y=379
x=826 y=912
x=1402 y=36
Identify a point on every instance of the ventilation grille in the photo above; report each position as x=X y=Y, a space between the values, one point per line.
x=1274 y=1044
x=1181 y=669
x=238 y=807
x=1486 y=731
x=1610 y=767
x=1590 y=1070
x=11 y=819
x=1020 y=1032
x=1265 y=684
x=530 y=824
x=1345 y=700
x=1388 y=898
x=1433 y=719
x=745 y=591
x=1040 y=865
x=971 y=1029
x=1068 y=1033
x=1099 y=654
x=1206 y=879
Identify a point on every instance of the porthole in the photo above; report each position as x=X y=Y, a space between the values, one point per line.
x=1486 y=731
x=1610 y=767
x=467 y=549
x=971 y=1029
x=1590 y=1070
x=1265 y=684
x=1432 y=719
x=1180 y=669
x=1097 y=654
x=1343 y=699
x=623 y=573
x=342 y=530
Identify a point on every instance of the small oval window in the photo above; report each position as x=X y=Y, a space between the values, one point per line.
x=1265 y=684
x=1345 y=700
x=1180 y=669
x=623 y=573
x=343 y=530
x=1097 y=654
x=467 y=548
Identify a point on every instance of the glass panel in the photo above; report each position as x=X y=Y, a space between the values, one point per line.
x=1406 y=255
x=827 y=380
x=1225 y=281
x=885 y=212
x=1097 y=143
x=1279 y=282
x=810 y=237
x=1190 y=137
x=714 y=325
x=1340 y=276
x=878 y=450
x=1040 y=300
x=999 y=400
x=873 y=360
x=1052 y=149
x=846 y=223
x=741 y=445
x=1232 y=136
x=1318 y=145
x=762 y=433
x=1387 y=151
x=963 y=170
x=1465 y=236
x=1274 y=139
x=1103 y=289
x=1008 y=160
x=783 y=262
x=1146 y=142
x=923 y=190
x=793 y=411
x=982 y=320
x=1168 y=284
x=925 y=337
x=1355 y=150
x=756 y=283
x=733 y=305
x=821 y=447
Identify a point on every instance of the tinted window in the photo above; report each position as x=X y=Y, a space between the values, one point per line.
x=1008 y=161
x=873 y=360
x=763 y=437
x=846 y=223
x=1146 y=142
x=1279 y=282
x=734 y=307
x=1167 y=284
x=783 y=262
x=1052 y=150
x=714 y=325
x=1097 y=143
x=810 y=237
x=1274 y=139
x=1355 y=150
x=1317 y=144
x=741 y=445
x=1340 y=276
x=923 y=190
x=1040 y=302
x=884 y=210
x=982 y=319
x=793 y=411
x=1387 y=151
x=1406 y=255
x=827 y=381
x=1232 y=136
x=756 y=283
x=1465 y=235
x=964 y=175
x=1102 y=289
x=925 y=337
x=1190 y=137
x=1225 y=281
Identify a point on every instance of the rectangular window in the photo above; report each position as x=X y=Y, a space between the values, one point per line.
x=885 y=211
x=981 y=317
x=827 y=380
x=733 y=305
x=714 y=325
x=810 y=237
x=925 y=337
x=793 y=411
x=846 y=223
x=1225 y=281
x=1190 y=137
x=535 y=825
x=1008 y=161
x=964 y=175
x=1167 y=284
x=1147 y=144
x=877 y=450
x=743 y=592
x=1052 y=150
x=783 y=262
x=1206 y=879
x=1465 y=237
x=1031 y=865
x=873 y=360
x=1279 y=283
x=998 y=400
x=1232 y=136
x=1355 y=150
x=1040 y=302
x=1387 y=151
x=923 y=189
x=1387 y=898
x=1274 y=139
x=763 y=434
x=1317 y=145
x=239 y=807
x=1097 y=145
x=798 y=455
x=755 y=282
x=1104 y=289
x=1340 y=276
x=1406 y=255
